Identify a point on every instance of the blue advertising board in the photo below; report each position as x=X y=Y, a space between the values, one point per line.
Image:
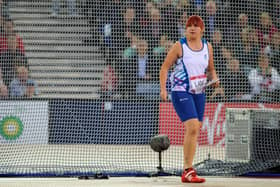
x=96 y=122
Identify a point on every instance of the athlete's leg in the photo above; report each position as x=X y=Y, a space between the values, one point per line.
x=192 y=127
x=184 y=105
x=189 y=175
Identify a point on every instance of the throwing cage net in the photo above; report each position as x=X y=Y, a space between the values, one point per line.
x=80 y=87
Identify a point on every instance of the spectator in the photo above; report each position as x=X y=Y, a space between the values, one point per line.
x=131 y=51
x=149 y=7
x=128 y=68
x=249 y=7
x=275 y=50
x=136 y=64
x=169 y=17
x=276 y=13
x=235 y=85
x=114 y=36
x=11 y=52
x=225 y=22
x=220 y=61
x=129 y=27
x=226 y=56
x=107 y=21
x=93 y=12
x=273 y=9
x=143 y=60
x=157 y=57
x=140 y=10
x=109 y=81
x=247 y=51
x=197 y=6
x=264 y=81
x=10 y=37
x=71 y=7
x=227 y=53
x=235 y=82
x=147 y=68
x=181 y=26
x=266 y=30
x=241 y=23
x=184 y=6
x=211 y=18
x=154 y=30
x=3 y=87
x=4 y=12
x=22 y=86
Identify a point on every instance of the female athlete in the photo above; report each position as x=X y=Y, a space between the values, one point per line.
x=193 y=59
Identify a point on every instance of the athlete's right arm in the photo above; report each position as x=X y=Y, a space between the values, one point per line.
x=174 y=53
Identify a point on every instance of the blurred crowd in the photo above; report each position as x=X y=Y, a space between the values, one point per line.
x=14 y=71
x=136 y=35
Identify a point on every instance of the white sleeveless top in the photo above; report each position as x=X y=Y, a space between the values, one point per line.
x=190 y=70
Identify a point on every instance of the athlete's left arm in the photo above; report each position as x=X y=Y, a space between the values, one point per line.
x=211 y=68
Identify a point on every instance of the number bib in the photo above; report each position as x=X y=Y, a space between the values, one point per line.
x=197 y=84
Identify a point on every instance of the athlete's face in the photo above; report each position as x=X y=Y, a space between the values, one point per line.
x=194 y=31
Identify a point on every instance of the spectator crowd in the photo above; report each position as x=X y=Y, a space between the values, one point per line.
x=136 y=35
x=14 y=79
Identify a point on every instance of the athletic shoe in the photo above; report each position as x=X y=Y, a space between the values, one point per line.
x=190 y=176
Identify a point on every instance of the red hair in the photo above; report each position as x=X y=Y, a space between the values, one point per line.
x=195 y=20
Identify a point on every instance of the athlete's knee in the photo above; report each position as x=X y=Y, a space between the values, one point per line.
x=192 y=127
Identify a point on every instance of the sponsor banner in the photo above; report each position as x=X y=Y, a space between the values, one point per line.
x=213 y=128
x=24 y=122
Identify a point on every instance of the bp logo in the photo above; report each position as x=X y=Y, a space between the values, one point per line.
x=11 y=127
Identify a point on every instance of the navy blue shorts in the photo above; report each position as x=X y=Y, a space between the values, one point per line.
x=188 y=106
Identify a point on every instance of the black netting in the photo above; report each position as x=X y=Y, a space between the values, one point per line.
x=80 y=92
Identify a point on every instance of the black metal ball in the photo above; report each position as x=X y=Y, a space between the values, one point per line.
x=160 y=143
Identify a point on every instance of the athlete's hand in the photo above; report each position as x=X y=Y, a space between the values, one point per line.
x=216 y=84
x=218 y=92
x=163 y=95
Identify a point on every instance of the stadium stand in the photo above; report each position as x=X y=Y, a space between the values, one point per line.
x=59 y=61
